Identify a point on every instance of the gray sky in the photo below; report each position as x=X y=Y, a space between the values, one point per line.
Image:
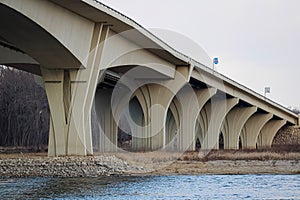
x=256 y=41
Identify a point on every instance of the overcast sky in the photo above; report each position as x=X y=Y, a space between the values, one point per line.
x=256 y=41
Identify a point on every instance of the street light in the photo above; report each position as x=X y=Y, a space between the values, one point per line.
x=267 y=90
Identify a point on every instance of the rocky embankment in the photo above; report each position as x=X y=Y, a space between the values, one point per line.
x=42 y=166
x=287 y=135
x=287 y=138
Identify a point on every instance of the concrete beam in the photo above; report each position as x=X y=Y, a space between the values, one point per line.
x=130 y=54
x=10 y=56
x=236 y=90
x=60 y=41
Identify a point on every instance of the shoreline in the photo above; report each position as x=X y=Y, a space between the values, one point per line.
x=225 y=167
x=144 y=164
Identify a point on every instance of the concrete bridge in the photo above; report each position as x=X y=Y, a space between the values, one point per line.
x=91 y=56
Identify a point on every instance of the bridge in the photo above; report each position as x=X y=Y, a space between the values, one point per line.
x=92 y=57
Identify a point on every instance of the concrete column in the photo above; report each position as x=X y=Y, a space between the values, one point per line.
x=70 y=94
x=202 y=124
x=216 y=112
x=171 y=133
x=157 y=97
x=252 y=129
x=192 y=101
x=140 y=138
x=233 y=124
x=137 y=115
x=268 y=132
x=53 y=81
x=108 y=125
x=175 y=109
x=172 y=125
x=161 y=97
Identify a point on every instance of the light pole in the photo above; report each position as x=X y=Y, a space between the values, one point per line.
x=267 y=90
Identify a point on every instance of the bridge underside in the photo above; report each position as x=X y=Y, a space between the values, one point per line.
x=145 y=95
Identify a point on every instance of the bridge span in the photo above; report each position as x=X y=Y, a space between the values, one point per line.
x=92 y=57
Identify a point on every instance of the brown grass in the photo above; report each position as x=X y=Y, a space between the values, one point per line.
x=203 y=156
x=239 y=155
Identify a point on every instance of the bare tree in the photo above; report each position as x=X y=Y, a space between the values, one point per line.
x=24 y=111
x=295 y=110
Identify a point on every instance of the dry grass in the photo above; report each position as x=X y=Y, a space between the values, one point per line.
x=203 y=156
x=159 y=157
x=22 y=155
x=214 y=162
x=157 y=161
x=239 y=155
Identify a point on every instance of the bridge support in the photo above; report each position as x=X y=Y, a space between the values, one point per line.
x=159 y=100
x=58 y=127
x=173 y=126
x=233 y=124
x=193 y=101
x=268 y=132
x=67 y=131
x=156 y=99
x=252 y=129
x=216 y=111
x=136 y=125
x=107 y=123
x=70 y=95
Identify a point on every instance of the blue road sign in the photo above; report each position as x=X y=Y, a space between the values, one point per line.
x=216 y=61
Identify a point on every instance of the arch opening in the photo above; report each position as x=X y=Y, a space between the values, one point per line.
x=240 y=143
x=221 y=141
x=198 y=144
x=199 y=135
x=171 y=132
x=130 y=127
x=124 y=134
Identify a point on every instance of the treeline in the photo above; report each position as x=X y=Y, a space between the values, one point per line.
x=24 y=111
x=295 y=110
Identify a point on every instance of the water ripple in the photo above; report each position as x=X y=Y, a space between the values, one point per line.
x=155 y=187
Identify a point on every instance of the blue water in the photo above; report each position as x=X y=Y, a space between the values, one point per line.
x=155 y=187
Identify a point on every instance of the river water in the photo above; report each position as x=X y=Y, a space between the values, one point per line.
x=154 y=187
